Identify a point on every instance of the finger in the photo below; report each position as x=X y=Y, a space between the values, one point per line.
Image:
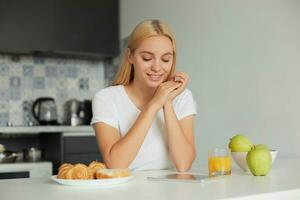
x=181 y=75
x=167 y=84
x=175 y=86
x=179 y=78
x=183 y=78
x=175 y=92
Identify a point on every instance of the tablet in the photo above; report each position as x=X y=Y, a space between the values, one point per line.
x=185 y=177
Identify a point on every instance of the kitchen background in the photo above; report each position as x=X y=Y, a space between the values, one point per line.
x=242 y=58
x=25 y=78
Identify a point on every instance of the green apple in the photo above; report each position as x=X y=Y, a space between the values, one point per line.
x=261 y=146
x=240 y=143
x=259 y=161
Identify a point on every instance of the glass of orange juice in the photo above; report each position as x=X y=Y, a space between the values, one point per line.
x=219 y=162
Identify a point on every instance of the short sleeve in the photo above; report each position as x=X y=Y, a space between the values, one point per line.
x=104 y=111
x=185 y=105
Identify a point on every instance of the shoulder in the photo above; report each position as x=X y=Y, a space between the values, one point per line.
x=110 y=92
x=184 y=95
x=184 y=104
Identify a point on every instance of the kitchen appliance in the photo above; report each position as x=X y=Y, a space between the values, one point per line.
x=85 y=111
x=72 y=112
x=25 y=170
x=8 y=157
x=32 y=154
x=78 y=112
x=44 y=111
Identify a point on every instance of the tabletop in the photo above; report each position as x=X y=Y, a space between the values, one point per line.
x=281 y=183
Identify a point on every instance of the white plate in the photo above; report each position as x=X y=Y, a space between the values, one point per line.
x=92 y=182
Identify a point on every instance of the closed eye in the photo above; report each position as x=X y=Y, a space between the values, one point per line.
x=146 y=59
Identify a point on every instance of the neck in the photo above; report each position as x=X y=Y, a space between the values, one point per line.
x=140 y=94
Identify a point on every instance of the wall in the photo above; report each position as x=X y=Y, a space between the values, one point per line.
x=243 y=61
x=25 y=78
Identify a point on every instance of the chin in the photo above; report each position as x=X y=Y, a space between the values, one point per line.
x=153 y=84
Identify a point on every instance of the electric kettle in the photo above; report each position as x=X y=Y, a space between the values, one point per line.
x=44 y=111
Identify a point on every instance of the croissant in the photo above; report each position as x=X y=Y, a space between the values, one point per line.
x=78 y=171
x=63 y=169
x=94 y=166
x=112 y=173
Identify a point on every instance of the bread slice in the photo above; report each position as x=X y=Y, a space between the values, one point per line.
x=112 y=173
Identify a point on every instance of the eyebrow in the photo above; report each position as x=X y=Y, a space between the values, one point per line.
x=168 y=53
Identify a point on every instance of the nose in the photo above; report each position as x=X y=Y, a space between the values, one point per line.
x=155 y=66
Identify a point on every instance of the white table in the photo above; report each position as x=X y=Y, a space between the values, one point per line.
x=282 y=183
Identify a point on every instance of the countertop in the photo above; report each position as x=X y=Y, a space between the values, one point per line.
x=283 y=182
x=45 y=129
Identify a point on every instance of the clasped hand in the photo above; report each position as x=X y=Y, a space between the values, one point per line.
x=168 y=90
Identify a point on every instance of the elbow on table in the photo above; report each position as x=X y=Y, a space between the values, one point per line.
x=183 y=168
x=112 y=165
x=186 y=165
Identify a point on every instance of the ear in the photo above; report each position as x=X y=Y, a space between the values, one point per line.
x=129 y=55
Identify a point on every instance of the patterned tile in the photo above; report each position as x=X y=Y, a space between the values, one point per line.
x=15 y=94
x=28 y=70
x=27 y=83
x=26 y=78
x=3 y=106
x=83 y=84
x=4 y=69
x=16 y=117
x=72 y=72
x=15 y=110
x=15 y=69
x=61 y=84
x=26 y=106
x=15 y=81
x=4 y=118
x=96 y=85
x=51 y=71
x=4 y=94
x=28 y=94
x=61 y=95
x=61 y=71
x=50 y=82
x=71 y=84
x=38 y=82
x=39 y=70
x=4 y=82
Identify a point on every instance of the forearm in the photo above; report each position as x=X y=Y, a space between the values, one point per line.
x=181 y=151
x=124 y=151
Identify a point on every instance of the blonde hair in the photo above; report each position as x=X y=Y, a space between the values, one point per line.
x=145 y=29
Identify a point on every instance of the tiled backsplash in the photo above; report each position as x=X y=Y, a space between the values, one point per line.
x=25 y=78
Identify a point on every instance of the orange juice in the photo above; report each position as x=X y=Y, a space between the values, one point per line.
x=219 y=165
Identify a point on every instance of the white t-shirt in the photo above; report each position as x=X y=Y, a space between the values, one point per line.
x=113 y=106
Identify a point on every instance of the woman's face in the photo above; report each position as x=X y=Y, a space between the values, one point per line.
x=152 y=61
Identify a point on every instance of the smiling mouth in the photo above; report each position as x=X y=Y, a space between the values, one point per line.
x=155 y=77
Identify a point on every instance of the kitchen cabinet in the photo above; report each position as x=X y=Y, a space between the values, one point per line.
x=83 y=149
x=83 y=29
x=71 y=148
x=60 y=144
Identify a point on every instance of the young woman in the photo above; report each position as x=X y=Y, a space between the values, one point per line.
x=145 y=120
